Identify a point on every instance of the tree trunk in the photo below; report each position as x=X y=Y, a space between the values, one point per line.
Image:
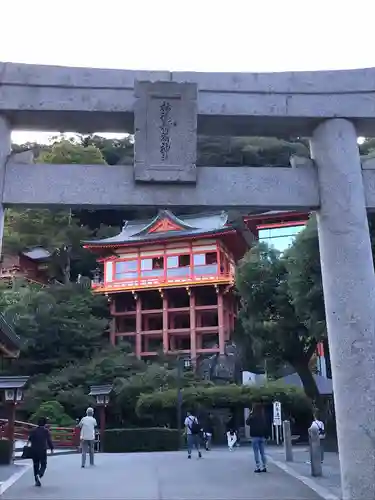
x=66 y=268
x=308 y=381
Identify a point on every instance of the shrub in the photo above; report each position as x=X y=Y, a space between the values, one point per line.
x=5 y=452
x=54 y=412
x=147 y=439
x=225 y=396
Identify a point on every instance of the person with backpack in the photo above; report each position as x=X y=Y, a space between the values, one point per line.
x=317 y=423
x=193 y=431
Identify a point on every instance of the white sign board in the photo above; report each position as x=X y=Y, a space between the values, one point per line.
x=277 y=413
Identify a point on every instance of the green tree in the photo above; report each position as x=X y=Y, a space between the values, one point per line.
x=268 y=315
x=302 y=261
x=70 y=150
x=58 y=324
x=114 y=151
x=58 y=231
x=70 y=385
x=54 y=412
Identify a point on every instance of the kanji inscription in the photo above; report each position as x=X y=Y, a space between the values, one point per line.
x=165 y=126
x=165 y=119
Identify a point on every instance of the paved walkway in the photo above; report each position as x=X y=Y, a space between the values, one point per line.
x=219 y=475
x=331 y=479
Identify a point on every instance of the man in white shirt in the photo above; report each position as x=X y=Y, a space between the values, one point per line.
x=319 y=425
x=88 y=425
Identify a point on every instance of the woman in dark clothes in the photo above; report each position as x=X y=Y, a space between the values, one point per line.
x=259 y=433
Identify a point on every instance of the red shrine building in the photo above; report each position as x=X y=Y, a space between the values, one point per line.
x=31 y=265
x=170 y=280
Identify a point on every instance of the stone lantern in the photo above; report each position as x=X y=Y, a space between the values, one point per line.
x=13 y=388
x=101 y=393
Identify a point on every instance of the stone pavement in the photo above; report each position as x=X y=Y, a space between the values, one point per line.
x=9 y=474
x=6 y=471
x=331 y=479
x=219 y=475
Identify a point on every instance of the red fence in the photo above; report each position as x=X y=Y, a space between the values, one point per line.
x=62 y=437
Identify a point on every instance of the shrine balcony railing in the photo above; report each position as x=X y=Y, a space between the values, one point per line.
x=165 y=277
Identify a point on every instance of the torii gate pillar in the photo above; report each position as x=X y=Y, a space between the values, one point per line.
x=5 y=149
x=349 y=296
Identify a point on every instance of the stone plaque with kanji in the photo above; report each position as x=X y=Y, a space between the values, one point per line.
x=165 y=123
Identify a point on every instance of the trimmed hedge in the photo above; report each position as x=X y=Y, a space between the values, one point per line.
x=5 y=452
x=141 y=439
x=224 y=396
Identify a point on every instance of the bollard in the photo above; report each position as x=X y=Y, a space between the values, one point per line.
x=315 y=456
x=288 y=446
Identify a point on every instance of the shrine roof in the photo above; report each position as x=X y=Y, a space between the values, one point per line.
x=166 y=225
x=37 y=253
x=8 y=337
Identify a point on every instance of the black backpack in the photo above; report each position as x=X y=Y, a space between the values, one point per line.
x=194 y=426
x=321 y=430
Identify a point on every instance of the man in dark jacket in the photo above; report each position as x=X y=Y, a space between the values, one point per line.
x=40 y=440
x=259 y=432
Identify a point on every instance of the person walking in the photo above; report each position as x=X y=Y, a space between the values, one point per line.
x=88 y=426
x=319 y=425
x=231 y=433
x=258 y=433
x=39 y=441
x=193 y=431
x=208 y=430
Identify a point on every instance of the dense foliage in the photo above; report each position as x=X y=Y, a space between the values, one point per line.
x=54 y=412
x=144 y=439
x=162 y=403
x=282 y=303
x=58 y=325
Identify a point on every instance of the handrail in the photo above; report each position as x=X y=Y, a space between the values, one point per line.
x=62 y=437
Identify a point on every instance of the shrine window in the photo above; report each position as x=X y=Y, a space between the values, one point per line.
x=211 y=258
x=199 y=259
x=172 y=261
x=176 y=261
x=126 y=269
x=203 y=259
x=152 y=267
x=158 y=263
x=184 y=260
x=205 y=264
x=178 y=265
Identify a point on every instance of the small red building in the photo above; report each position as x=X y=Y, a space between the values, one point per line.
x=170 y=279
x=31 y=265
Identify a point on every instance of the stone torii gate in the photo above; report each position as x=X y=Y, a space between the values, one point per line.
x=166 y=111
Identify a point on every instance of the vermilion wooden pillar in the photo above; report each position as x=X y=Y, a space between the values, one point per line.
x=138 y=325
x=226 y=317
x=165 y=323
x=221 y=320
x=193 y=338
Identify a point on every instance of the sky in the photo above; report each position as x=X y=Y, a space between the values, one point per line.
x=195 y=35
